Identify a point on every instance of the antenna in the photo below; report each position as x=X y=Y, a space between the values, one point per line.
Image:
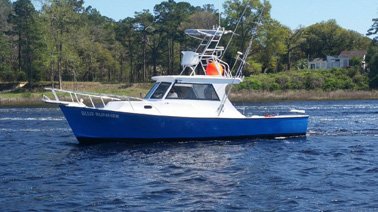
x=219 y=13
x=234 y=32
x=242 y=57
x=249 y=48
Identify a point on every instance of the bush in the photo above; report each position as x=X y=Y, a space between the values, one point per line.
x=313 y=81
x=283 y=82
x=327 y=80
x=20 y=76
x=7 y=76
x=361 y=82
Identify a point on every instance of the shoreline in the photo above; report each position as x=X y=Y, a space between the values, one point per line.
x=302 y=95
x=35 y=100
x=22 y=102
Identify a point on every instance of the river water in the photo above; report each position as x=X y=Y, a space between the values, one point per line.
x=334 y=168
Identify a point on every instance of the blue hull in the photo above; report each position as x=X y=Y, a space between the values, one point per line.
x=90 y=125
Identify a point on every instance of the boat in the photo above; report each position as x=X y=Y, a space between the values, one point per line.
x=192 y=105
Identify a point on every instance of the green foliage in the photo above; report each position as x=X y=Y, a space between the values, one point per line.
x=200 y=20
x=65 y=41
x=5 y=67
x=328 y=38
x=63 y=22
x=234 y=9
x=355 y=62
x=374 y=29
x=6 y=73
x=27 y=33
x=5 y=10
x=294 y=40
x=253 y=67
x=273 y=48
x=372 y=60
x=335 y=79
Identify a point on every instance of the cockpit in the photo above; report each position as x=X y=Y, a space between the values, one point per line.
x=182 y=91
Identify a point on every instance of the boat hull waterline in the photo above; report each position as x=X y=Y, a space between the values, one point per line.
x=90 y=125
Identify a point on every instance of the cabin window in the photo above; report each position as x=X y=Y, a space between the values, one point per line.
x=160 y=90
x=150 y=92
x=193 y=92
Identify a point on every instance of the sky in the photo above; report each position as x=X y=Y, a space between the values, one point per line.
x=355 y=15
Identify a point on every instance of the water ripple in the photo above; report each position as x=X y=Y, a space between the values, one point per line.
x=333 y=169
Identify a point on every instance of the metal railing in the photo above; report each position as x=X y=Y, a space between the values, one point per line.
x=76 y=97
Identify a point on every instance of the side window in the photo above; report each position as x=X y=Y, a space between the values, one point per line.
x=161 y=90
x=210 y=93
x=205 y=92
x=192 y=92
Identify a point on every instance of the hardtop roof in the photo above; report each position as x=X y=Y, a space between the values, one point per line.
x=200 y=79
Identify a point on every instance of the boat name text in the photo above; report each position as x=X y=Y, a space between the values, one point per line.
x=99 y=114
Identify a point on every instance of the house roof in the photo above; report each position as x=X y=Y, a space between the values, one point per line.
x=354 y=53
x=317 y=60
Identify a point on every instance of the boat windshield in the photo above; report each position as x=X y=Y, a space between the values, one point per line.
x=193 y=92
x=159 y=89
x=148 y=95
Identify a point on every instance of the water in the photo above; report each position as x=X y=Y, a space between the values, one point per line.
x=334 y=168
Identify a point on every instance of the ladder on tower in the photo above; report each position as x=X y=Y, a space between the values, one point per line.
x=207 y=52
x=209 y=48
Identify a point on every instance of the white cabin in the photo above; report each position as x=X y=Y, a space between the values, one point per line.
x=183 y=96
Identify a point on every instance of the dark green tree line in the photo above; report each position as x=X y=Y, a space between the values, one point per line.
x=27 y=39
x=64 y=41
x=5 y=44
x=328 y=38
x=372 y=55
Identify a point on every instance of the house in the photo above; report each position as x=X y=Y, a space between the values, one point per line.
x=329 y=63
x=359 y=54
x=317 y=63
x=340 y=61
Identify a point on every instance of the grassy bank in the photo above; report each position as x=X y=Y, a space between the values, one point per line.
x=296 y=95
x=23 y=97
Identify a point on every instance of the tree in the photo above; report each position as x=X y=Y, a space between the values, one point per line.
x=5 y=10
x=155 y=44
x=372 y=56
x=61 y=17
x=242 y=16
x=328 y=38
x=143 y=25
x=272 y=39
x=372 y=61
x=125 y=34
x=200 y=20
x=169 y=15
x=5 y=47
x=99 y=35
x=6 y=73
x=374 y=29
x=293 y=42
x=27 y=36
x=243 y=12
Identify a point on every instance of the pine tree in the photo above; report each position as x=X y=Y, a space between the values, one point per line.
x=5 y=48
x=27 y=37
